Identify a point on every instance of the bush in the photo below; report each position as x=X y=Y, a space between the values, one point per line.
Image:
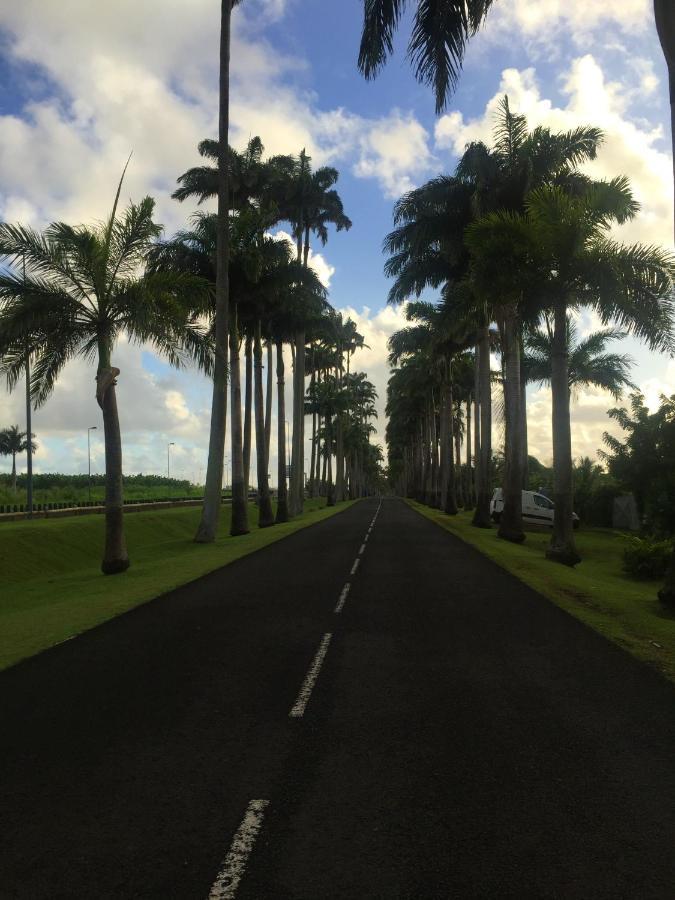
x=647 y=559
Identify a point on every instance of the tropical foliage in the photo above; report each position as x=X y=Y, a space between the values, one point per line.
x=519 y=236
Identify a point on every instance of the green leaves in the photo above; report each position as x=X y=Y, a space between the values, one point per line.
x=440 y=32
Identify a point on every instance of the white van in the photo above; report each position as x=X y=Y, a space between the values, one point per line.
x=537 y=509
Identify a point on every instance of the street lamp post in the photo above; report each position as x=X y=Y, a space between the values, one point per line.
x=89 y=431
x=168 y=458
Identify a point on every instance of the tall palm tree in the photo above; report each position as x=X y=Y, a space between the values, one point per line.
x=559 y=252
x=12 y=442
x=440 y=32
x=502 y=177
x=588 y=363
x=306 y=199
x=81 y=292
x=206 y=532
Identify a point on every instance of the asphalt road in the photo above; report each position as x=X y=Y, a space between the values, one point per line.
x=447 y=733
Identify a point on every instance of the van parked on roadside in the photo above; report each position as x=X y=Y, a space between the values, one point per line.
x=537 y=509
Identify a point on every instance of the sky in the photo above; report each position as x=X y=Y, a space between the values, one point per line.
x=83 y=84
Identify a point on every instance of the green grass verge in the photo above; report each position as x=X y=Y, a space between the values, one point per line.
x=596 y=591
x=52 y=588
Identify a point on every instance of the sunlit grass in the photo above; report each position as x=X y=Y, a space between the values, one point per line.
x=52 y=587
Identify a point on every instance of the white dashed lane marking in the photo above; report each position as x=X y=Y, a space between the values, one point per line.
x=234 y=865
x=355 y=566
x=300 y=704
x=343 y=597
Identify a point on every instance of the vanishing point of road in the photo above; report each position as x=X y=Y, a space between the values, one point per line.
x=365 y=709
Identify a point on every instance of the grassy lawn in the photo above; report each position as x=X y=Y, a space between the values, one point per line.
x=52 y=588
x=596 y=591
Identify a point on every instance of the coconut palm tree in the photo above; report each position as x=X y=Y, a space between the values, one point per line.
x=12 y=442
x=558 y=252
x=82 y=291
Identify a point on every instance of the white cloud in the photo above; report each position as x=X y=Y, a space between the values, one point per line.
x=630 y=147
x=316 y=261
x=395 y=150
x=543 y=21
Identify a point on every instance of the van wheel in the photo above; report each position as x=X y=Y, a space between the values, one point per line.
x=496 y=517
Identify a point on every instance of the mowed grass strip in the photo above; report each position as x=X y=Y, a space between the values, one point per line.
x=51 y=587
x=596 y=591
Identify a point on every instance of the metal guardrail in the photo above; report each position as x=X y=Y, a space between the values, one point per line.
x=13 y=513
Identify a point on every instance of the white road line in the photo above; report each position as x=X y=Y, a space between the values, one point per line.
x=231 y=872
x=355 y=566
x=310 y=679
x=361 y=549
x=343 y=597
x=366 y=537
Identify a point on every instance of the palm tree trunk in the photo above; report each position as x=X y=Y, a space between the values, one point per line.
x=115 y=556
x=664 y=13
x=268 y=403
x=435 y=473
x=206 y=532
x=330 y=491
x=14 y=471
x=296 y=498
x=511 y=520
x=562 y=547
x=29 y=432
x=282 y=492
x=265 y=512
x=458 y=454
x=523 y=435
x=469 y=498
x=248 y=403
x=324 y=470
x=481 y=516
x=312 y=485
x=448 y=496
x=239 y=523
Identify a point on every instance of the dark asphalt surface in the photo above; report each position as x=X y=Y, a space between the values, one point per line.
x=465 y=738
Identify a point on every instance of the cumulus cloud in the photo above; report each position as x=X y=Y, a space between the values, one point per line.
x=542 y=22
x=630 y=147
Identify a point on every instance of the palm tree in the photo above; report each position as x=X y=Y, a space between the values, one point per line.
x=588 y=363
x=436 y=49
x=13 y=441
x=664 y=13
x=305 y=199
x=206 y=532
x=440 y=33
x=502 y=177
x=558 y=251
x=81 y=292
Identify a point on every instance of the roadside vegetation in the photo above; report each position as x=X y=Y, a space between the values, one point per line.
x=62 y=594
x=58 y=488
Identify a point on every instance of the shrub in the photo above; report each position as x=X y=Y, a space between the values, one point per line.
x=647 y=559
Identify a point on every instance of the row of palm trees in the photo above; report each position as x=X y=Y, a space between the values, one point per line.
x=517 y=237
x=13 y=442
x=440 y=33
x=415 y=388
x=72 y=291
